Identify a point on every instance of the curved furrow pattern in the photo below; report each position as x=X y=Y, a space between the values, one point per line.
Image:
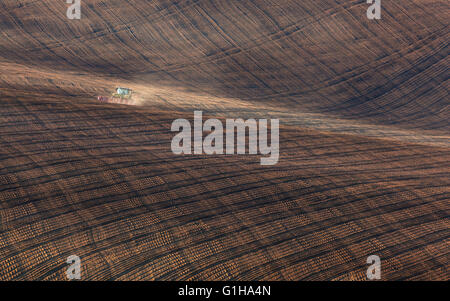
x=364 y=140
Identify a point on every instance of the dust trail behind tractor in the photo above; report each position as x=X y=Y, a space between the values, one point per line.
x=121 y=95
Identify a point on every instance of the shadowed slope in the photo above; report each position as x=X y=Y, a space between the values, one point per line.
x=364 y=145
x=106 y=186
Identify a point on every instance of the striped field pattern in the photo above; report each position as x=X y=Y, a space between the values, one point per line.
x=364 y=163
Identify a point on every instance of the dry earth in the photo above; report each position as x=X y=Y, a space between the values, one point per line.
x=364 y=140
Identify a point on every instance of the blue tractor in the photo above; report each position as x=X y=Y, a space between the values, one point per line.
x=123 y=93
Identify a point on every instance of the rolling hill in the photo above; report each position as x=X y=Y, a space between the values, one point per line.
x=364 y=140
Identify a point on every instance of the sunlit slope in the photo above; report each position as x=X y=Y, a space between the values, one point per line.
x=319 y=56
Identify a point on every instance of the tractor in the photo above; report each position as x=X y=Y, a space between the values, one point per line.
x=123 y=93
